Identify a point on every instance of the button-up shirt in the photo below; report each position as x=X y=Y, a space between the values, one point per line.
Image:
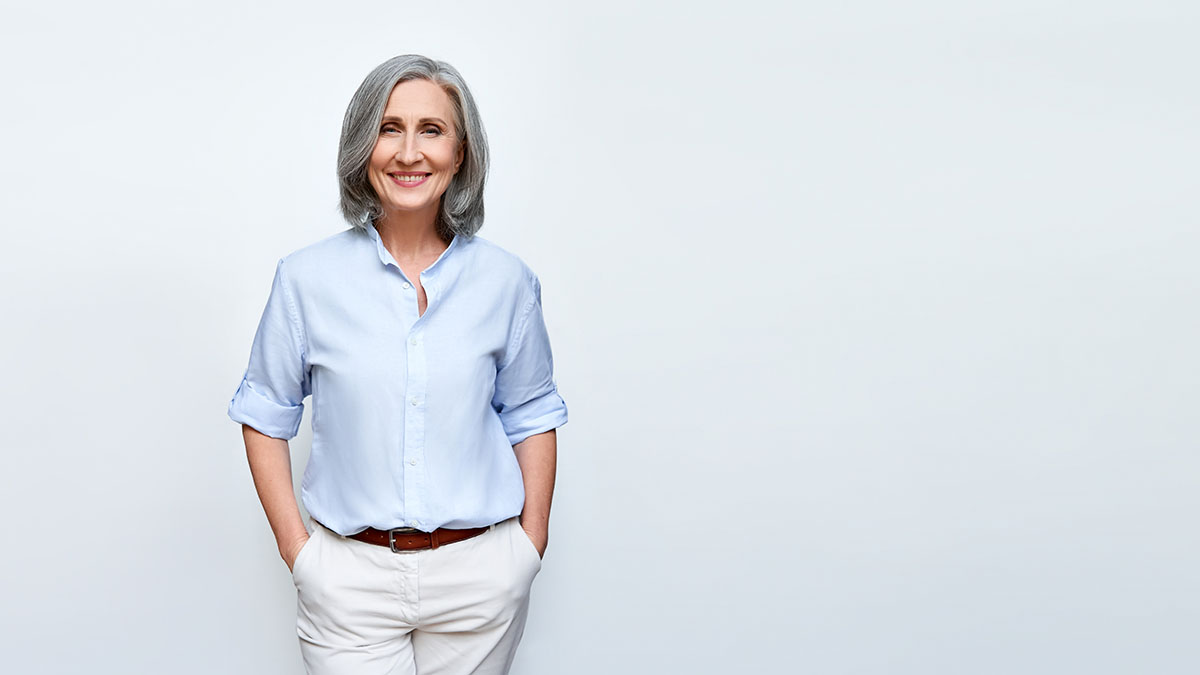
x=414 y=415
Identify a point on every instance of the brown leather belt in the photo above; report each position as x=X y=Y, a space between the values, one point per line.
x=412 y=539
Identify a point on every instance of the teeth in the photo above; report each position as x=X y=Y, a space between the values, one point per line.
x=409 y=179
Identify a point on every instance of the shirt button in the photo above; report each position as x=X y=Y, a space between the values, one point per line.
x=412 y=462
x=413 y=400
x=412 y=341
x=407 y=285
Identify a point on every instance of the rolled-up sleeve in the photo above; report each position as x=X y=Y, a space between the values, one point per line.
x=526 y=396
x=271 y=394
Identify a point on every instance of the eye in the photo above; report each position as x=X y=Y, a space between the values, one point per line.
x=436 y=131
x=387 y=128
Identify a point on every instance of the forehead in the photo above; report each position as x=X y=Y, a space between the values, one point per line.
x=418 y=98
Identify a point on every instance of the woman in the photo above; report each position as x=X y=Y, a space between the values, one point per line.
x=434 y=404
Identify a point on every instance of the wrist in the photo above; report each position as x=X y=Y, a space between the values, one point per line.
x=287 y=546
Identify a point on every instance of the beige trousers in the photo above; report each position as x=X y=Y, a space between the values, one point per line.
x=459 y=608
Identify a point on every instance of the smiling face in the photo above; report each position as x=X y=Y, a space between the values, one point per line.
x=418 y=151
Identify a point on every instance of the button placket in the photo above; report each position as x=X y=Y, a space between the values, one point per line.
x=415 y=479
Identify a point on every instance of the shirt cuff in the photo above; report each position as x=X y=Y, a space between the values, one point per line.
x=272 y=419
x=534 y=417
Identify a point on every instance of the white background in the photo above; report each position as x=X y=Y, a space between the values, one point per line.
x=876 y=322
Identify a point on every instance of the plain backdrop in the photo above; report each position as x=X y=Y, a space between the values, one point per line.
x=876 y=322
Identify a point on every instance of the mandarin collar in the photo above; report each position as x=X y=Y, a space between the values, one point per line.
x=386 y=258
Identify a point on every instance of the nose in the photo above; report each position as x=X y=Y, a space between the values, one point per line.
x=409 y=152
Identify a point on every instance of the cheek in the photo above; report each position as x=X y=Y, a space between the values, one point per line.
x=379 y=157
x=438 y=154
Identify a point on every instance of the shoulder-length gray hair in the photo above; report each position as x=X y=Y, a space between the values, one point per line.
x=461 y=211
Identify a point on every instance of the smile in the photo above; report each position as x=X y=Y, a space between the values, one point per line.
x=410 y=180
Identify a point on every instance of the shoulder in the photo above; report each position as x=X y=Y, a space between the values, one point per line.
x=501 y=265
x=328 y=249
x=325 y=254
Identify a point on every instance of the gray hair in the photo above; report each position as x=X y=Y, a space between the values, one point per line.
x=461 y=210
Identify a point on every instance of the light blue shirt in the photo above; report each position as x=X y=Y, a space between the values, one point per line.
x=413 y=416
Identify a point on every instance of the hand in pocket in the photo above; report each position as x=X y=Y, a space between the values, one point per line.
x=293 y=552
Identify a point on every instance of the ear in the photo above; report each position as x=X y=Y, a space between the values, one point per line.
x=458 y=157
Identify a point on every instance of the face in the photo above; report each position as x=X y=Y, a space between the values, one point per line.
x=418 y=151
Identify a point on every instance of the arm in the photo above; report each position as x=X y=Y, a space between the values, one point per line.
x=269 y=404
x=537 y=456
x=271 y=466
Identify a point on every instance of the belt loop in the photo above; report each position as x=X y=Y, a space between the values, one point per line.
x=433 y=539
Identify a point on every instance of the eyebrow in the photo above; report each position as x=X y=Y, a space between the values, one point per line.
x=423 y=120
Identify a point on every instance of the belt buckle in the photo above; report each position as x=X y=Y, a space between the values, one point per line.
x=392 y=536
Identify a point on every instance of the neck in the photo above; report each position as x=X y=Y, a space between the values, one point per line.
x=407 y=236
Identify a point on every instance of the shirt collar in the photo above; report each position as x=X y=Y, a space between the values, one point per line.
x=386 y=257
